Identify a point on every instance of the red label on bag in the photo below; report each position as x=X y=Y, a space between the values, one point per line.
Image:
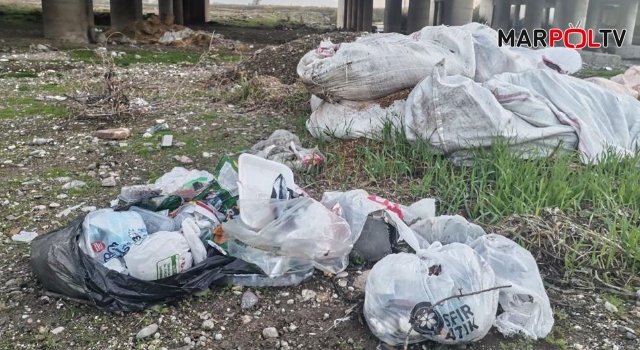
x=392 y=207
x=97 y=247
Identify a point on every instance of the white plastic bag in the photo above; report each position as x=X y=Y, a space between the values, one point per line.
x=300 y=228
x=401 y=288
x=526 y=305
x=191 y=233
x=107 y=234
x=447 y=229
x=159 y=255
x=271 y=264
x=181 y=181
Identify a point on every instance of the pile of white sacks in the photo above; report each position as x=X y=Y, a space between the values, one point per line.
x=465 y=91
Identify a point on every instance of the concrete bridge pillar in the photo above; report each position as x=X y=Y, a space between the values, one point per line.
x=533 y=15
x=419 y=15
x=68 y=20
x=123 y=12
x=502 y=15
x=196 y=11
x=360 y=16
x=594 y=15
x=165 y=10
x=457 y=12
x=367 y=22
x=342 y=14
x=178 y=12
x=354 y=15
x=627 y=16
x=393 y=16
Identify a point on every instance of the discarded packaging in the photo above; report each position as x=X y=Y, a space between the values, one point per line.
x=182 y=182
x=108 y=234
x=113 y=134
x=285 y=148
x=167 y=140
x=24 y=236
x=526 y=307
x=154 y=129
x=401 y=303
x=155 y=222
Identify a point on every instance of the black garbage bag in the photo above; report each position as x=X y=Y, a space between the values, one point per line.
x=62 y=267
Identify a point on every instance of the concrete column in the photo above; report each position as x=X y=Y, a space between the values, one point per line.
x=457 y=12
x=627 y=16
x=196 y=11
x=486 y=10
x=533 y=15
x=178 y=12
x=367 y=23
x=341 y=15
x=354 y=15
x=68 y=20
x=594 y=15
x=502 y=15
x=165 y=10
x=347 y=18
x=393 y=16
x=123 y=12
x=360 y=16
x=419 y=15
x=572 y=11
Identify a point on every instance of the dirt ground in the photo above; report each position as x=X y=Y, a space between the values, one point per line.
x=211 y=118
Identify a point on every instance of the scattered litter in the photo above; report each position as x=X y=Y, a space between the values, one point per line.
x=112 y=134
x=158 y=127
x=284 y=147
x=167 y=140
x=24 y=236
x=57 y=330
x=68 y=211
x=51 y=98
x=73 y=185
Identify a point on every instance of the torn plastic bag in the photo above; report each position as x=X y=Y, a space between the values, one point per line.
x=401 y=288
x=156 y=222
x=357 y=205
x=271 y=264
x=447 y=229
x=526 y=306
x=62 y=267
x=108 y=234
x=301 y=228
x=203 y=216
x=184 y=183
x=285 y=148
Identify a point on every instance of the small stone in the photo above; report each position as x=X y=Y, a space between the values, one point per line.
x=187 y=340
x=183 y=159
x=88 y=209
x=610 y=307
x=138 y=57
x=54 y=205
x=208 y=324
x=351 y=289
x=73 y=184
x=218 y=336
x=638 y=293
x=350 y=341
x=62 y=196
x=113 y=134
x=41 y=207
x=206 y=155
x=323 y=297
x=342 y=274
x=361 y=280
x=284 y=294
x=325 y=317
x=57 y=330
x=108 y=182
x=270 y=333
x=249 y=300
x=308 y=294
x=246 y=319
x=342 y=283
x=290 y=302
x=123 y=144
x=13 y=282
x=147 y=331
x=631 y=336
x=292 y=327
x=180 y=144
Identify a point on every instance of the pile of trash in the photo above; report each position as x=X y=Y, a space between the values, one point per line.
x=152 y=31
x=466 y=92
x=249 y=224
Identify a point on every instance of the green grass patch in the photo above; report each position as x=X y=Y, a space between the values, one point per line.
x=499 y=183
x=600 y=73
x=18 y=75
x=18 y=13
x=27 y=106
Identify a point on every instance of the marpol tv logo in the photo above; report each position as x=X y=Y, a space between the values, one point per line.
x=574 y=37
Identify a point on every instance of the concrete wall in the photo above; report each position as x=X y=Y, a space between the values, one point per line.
x=68 y=20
